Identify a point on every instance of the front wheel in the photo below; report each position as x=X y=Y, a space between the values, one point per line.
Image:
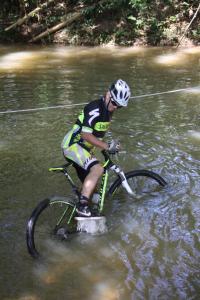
x=51 y=220
x=140 y=181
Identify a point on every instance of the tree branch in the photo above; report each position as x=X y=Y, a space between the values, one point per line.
x=57 y=27
x=31 y=14
x=69 y=20
x=187 y=28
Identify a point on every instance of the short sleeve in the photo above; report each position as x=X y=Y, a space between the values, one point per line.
x=91 y=115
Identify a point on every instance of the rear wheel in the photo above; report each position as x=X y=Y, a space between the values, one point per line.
x=51 y=220
x=140 y=181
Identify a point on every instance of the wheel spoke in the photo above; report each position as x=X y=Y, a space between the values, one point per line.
x=50 y=222
x=141 y=182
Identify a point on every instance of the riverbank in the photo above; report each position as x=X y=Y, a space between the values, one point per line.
x=92 y=23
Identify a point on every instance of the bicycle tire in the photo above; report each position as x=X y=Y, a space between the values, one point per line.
x=33 y=222
x=136 y=173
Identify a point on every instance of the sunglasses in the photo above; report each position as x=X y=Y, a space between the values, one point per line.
x=114 y=103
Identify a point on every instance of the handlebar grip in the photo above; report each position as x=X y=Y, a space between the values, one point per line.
x=105 y=154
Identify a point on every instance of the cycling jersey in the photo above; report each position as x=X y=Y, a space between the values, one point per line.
x=95 y=119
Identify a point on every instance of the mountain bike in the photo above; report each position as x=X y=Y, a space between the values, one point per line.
x=54 y=218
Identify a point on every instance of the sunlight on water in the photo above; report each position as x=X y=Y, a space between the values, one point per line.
x=15 y=60
x=33 y=59
x=171 y=59
x=70 y=262
x=193 y=50
x=62 y=260
x=29 y=297
x=23 y=59
x=105 y=290
x=194 y=134
x=178 y=58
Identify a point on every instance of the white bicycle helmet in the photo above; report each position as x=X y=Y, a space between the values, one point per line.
x=120 y=92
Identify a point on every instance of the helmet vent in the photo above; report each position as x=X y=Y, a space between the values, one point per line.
x=120 y=92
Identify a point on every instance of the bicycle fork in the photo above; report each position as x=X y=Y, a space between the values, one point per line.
x=122 y=176
x=104 y=181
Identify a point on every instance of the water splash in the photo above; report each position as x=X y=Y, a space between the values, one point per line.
x=194 y=134
x=93 y=225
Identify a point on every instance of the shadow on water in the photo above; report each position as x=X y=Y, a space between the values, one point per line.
x=151 y=249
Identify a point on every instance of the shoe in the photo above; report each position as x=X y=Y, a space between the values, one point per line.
x=83 y=210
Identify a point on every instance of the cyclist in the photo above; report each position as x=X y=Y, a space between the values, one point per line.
x=79 y=143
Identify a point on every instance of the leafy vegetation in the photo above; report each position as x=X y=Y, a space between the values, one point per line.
x=123 y=22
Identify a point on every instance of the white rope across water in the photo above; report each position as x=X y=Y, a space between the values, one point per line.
x=167 y=92
x=40 y=108
x=81 y=104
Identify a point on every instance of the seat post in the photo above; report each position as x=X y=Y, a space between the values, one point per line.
x=74 y=187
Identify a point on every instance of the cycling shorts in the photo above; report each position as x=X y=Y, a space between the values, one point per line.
x=78 y=154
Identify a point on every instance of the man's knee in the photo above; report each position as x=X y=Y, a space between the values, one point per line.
x=97 y=169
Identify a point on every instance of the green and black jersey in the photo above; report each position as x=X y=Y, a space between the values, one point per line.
x=95 y=119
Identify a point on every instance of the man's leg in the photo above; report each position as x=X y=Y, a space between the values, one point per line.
x=93 y=171
x=91 y=180
x=88 y=187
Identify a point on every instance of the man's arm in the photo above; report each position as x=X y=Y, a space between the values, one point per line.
x=89 y=137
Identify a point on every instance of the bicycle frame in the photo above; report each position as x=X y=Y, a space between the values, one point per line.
x=108 y=165
x=104 y=182
x=66 y=208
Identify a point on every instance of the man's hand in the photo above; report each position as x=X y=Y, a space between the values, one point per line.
x=113 y=147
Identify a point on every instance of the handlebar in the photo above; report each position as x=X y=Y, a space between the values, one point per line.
x=106 y=154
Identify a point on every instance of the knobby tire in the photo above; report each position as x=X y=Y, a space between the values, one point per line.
x=32 y=222
x=145 y=173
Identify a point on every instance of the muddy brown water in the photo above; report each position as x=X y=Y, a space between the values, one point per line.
x=152 y=247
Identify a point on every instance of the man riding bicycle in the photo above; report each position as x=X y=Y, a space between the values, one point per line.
x=79 y=143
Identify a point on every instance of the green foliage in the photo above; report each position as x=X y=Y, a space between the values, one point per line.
x=122 y=20
x=139 y=4
x=196 y=34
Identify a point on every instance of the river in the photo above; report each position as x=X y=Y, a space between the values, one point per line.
x=152 y=247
